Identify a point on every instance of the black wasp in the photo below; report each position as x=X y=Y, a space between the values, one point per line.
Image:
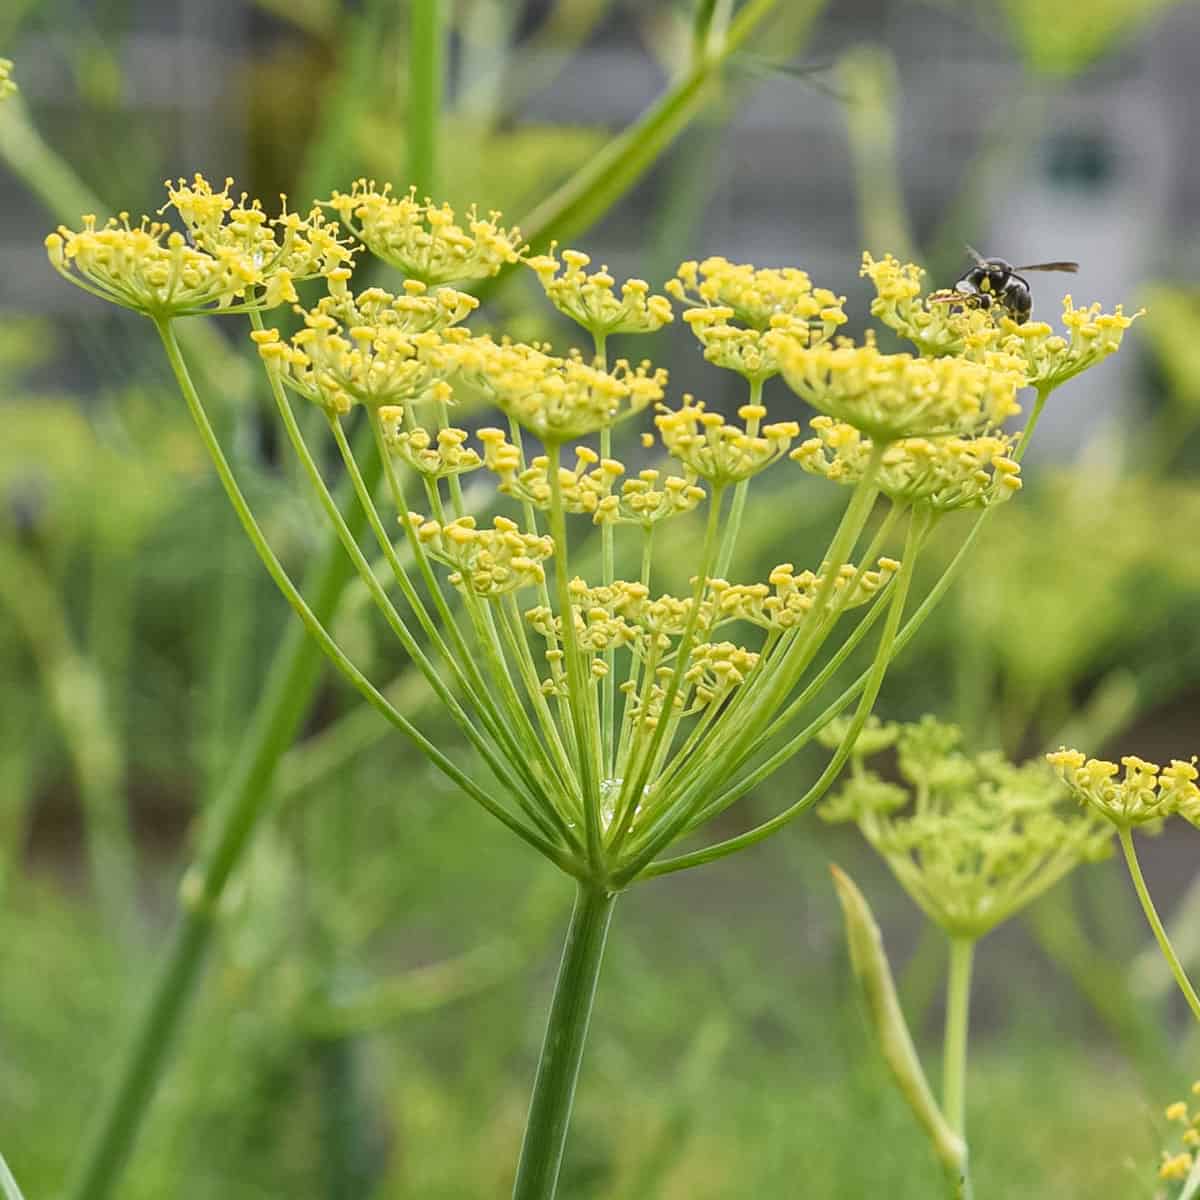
x=993 y=280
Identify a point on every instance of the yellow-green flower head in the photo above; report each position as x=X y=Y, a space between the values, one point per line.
x=1145 y=792
x=151 y=269
x=7 y=86
x=287 y=245
x=435 y=456
x=751 y=353
x=893 y=396
x=488 y=562
x=981 y=838
x=943 y=474
x=874 y=737
x=558 y=399
x=592 y=300
x=418 y=310
x=583 y=489
x=1051 y=358
x=426 y=241
x=373 y=365
x=756 y=296
x=650 y=498
x=720 y=452
x=715 y=670
x=787 y=597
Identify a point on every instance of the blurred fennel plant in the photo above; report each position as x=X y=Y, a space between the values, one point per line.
x=972 y=839
x=610 y=719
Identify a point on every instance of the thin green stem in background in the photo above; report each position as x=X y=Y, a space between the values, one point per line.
x=958 y=1022
x=1125 y=835
x=426 y=40
x=562 y=1049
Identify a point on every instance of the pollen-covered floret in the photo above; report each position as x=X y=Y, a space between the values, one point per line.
x=943 y=474
x=558 y=399
x=754 y=297
x=1144 y=793
x=583 y=490
x=7 y=86
x=416 y=310
x=303 y=247
x=426 y=241
x=787 y=597
x=374 y=365
x=982 y=838
x=488 y=562
x=593 y=300
x=434 y=455
x=892 y=396
x=714 y=670
x=1051 y=358
x=232 y=258
x=720 y=452
x=650 y=498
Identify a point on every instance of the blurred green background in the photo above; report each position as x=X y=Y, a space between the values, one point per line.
x=369 y=1019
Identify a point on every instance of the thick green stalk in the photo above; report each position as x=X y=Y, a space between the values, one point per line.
x=425 y=83
x=562 y=1049
x=1125 y=835
x=958 y=1021
x=291 y=680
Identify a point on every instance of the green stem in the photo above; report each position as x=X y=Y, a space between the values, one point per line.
x=425 y=81
x=8 y=1185
x=1164 y=943
x=958 y=1020
x=562 y=1049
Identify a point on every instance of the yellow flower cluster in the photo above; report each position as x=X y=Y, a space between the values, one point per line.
x=719 y=452
x=592 y=300
x=649 y=499
x=233 y=258
x=426 y=241
x=786 y=598
x=1145 y=793
x=937 y=325
x=418 y=310
x=893 y=396
x=734 y=307
x=1177 y=1166
x=558 y=399
x=943 y=474
x=300 y=247
x=715 y=669
x=488 y=562
x=7 y=87
x=1050 y=358
x=434 y=456
x=754 y=297
x=583 y=489
x=375 y=365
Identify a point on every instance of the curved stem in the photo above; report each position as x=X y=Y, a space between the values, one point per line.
x=291 y=593
x=562 y=1049
x=958 y=1020
x=1164 y=943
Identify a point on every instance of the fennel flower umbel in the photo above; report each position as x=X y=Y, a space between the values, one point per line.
x=609 y=718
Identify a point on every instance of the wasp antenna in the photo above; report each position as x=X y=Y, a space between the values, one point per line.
x=1071 y=267
x=979 y=259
